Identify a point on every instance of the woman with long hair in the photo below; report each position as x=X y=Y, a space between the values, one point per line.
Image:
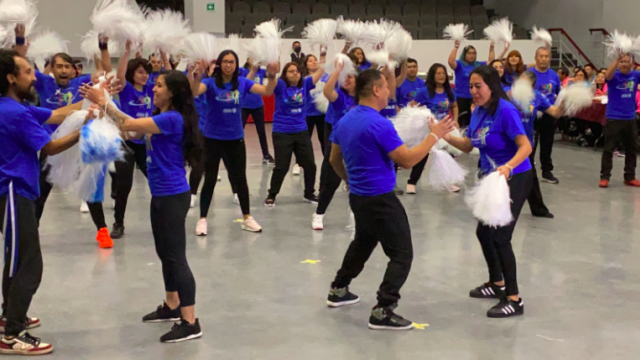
x=462 y=68
x=290 y=133
x=253 y=105
x=496 y=130
x=514 y=66
x=499 y=66
x=223 y=134
x=438 y=96
x=601 y=84
x=315 y=117
x=172 y=141
x=361 y=61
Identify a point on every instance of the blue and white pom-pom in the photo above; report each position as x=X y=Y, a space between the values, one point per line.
x=490 y=200
x=100 y=142
x=65 y=168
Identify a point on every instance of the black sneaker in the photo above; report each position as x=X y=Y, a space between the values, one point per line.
x=268 y=160
x=341 y=297
x=487 y=291
x=383 y=318
x=547 y=176
x=268 y=202
x=182 y=331
x=506 y=308
x=163 y=314
x=29 y=322
x=398 y=191
x=312 y=199
x=117 y=231
x=546 y=216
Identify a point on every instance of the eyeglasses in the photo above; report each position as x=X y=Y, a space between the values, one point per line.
x=228 y=62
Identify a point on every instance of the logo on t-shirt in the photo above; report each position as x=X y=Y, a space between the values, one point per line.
x=228 y=96
x=481 y=135
x=526 y=113
x=628 y=86
x=142 y=101
x=61 y=99
x=547 y=89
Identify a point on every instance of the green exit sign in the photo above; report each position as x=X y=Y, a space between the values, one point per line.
x=211 y=7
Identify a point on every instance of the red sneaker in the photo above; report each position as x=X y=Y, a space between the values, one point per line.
x=604 y=183
x=31 y=323
x=633 y=182
x=24 y=344
x=104 y=239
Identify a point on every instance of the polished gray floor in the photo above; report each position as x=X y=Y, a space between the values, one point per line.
x=579 y=276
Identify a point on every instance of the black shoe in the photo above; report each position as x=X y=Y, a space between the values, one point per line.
x=383 y=318
x=313 y=199
x=182 y=331
x=341 y=297
x=268 y=160
x=398 y=191
x=506 y=308
x=117 y=231
x=547 y=216
x=270 y=202
x=487 y=291
x=163 y=314
x=547 y=176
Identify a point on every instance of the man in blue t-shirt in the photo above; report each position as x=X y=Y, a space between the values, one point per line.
x=368 y=145
x=548 y=83
x=621 y=119
x=408 y=89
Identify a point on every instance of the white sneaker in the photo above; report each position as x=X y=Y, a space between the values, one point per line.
x=84 y=208
x=235 y=199
x=411 y=189
x=194 y=198
x=219 y=178
x=454 y=189
x=296 y=169
x=201 y=227
x=250 y=224
x=316 y=222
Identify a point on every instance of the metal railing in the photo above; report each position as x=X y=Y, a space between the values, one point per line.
x=569 y=53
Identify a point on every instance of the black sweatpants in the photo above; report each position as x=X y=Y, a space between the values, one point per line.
x=624 y=131
x=536 y=203
x=318 y=122
x=45 y=187
x=545 y=131
x=416 y=171
x=464 y=108
x=285 y=145
x=23 y=259
x=329 y=179
x=133 y=154
x=379 y=219
x=97 y=215
x=496 y=242
x=234 y=155
x=168 y=216
x=258 y=119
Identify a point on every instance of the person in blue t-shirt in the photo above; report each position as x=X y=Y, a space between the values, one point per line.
x=496 y=130
x=171 y=134
x=365 y=149
x=462 y=68
x=408 y=88
x=499 y=66
x=315 y=116
x=158 y=63
x=438 y=96
x=253 y=105
x=514 y=66
x=361 y=63
x=547 y=83
x=290 y=134
x=223 y=134
x=22 y=136
x=622 y=83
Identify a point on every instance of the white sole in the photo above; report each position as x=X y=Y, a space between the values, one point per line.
x=27 y=353
x=190 y=337
x=378 y=327
x=161 y=321
x=245 y=228
x=341 y=304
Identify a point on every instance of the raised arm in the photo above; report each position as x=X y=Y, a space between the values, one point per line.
x=504 y=51
x=453 y=54
x=329 y=90
x=165 y=61
x=408 y=158
x=194 y=75
x=391 y=81
x=403 y=74
x=267 y=90
x=104 y=54
x=122 y=64
x=492 y=52
x=252 y=69
x=611 y=70
x=21 y=41
x=347 y=46
x=323 y=60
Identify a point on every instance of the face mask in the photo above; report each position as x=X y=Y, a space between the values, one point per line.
x=297 y=49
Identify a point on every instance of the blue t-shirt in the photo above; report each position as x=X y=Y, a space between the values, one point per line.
x=165 y=160
x=511 y=77
x=439 y=104
x=312 y=91
x=407 y=91
x=365 y=65
x=137 y=104
x=547 y=83
x=462 y=76
x=494 y=135
x=340 y=107
x=153 y=77
x=200 y=103
x=366 y=139
x=529 y=114
x=53 y=96
x=22 y=136
x=622 y=96
x=290 y=116
x=224 y=117
x=253 y=101
x=390 y=110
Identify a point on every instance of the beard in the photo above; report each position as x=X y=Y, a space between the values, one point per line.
x=27 y=94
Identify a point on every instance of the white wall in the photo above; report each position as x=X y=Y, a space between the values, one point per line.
x=203 y=20
x=621 y=15
x=69 y=18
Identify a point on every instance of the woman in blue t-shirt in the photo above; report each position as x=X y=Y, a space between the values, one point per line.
x=438 y=96
x=462 y=68
x=290 y=134
x=225 y=93
x=360 y=60
x=499 y=66
x=254 y=106
x=172 y=142
x=315 y=116
x=496 y=130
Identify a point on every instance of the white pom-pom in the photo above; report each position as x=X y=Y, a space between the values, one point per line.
x=348 y=69
x=399 y=45
x=541 y=37
x=352 y=30
x=412 y=124
x=320 y=32
x=18 y=11
x=456 y=32
x=490 y=200
x=46 y=45
x=90 y=45
x=378 y=32
x=635 y=49
x=269 y=35
x=164 y=31
x=231 y=42
x=444 y=171
x=319 y=100
x=119 y=20
x=500 y=31
x=200 y=46
x=522 y=92
x=381 y=58
x=617 y=43
x=100 y=142
x=65 y=167
x=574 y=98
x=452 y=149
x=86 y=186
x=6 y=36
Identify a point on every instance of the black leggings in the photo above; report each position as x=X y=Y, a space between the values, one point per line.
x=464 y=108
x=234 y=155
x=168 y=216
x=318 y=122
x=133 y=154
x=416 y=171
x=329 y=179
x=285 y=145
x=258 y=119
x=536 y=202
x=496 y=242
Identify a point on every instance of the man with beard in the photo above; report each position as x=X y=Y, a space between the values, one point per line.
x=22 y=135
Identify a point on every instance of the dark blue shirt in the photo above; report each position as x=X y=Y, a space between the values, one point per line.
x=529 y=114
x=439 y=104
x=462 y=77
x=407 y=91
x=165 y=160
x=340 y=107
x=316 y=90
x=53 y=96
x=622 y=96
x=253 y=101
x=224 y=120
x=547 y=83
x=390 y=110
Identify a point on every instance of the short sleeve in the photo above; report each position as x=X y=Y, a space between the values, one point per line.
x=169 y=122
x=82 y=79
x=246 y=85
x=211 y=87
x=31 y=134
x=511 y=121
x=386 y=135
x=334 y=134
x=43 y=80
x=126 y=92
x=482 y=63
x=542 y=103
x=40 y=114
x=308 y=84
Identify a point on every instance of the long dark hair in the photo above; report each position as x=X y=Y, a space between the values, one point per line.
x=217 y=73
x=431 y=81
x=305 y=60
x=353 y=52
x=463 y=56
x=491 y=77
x=579 y=69
x=503 y=78
x=283 y=76
x=182 y=102
x=133 y=65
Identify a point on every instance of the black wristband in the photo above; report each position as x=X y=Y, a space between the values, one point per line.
x=20 y=40
x=103 y=46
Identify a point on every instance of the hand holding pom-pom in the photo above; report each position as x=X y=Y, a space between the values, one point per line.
x=339 y=64
x=442 y=127
x=457 y=44
x=92 y=94
x=505 y=171
x=272 y=70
